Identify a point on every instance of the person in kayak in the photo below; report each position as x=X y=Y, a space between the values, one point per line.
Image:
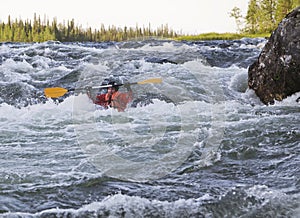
x=112 y=97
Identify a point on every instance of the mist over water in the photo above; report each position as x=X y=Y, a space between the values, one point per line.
x=200 y=144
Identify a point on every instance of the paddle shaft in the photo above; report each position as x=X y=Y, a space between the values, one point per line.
x=108 y=86
x=152 y=80
x=56 y=92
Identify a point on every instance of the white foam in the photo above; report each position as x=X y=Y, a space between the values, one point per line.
x=37 y=112
x=167 y=47
x=289 y=101
x=263 y=192
x=15 y=71
x=239 y=81
x=132 y=206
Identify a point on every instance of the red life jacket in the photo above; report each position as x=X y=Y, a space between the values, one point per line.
x=119 y=100
x=100 y=100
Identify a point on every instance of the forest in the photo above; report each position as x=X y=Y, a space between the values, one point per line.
x=262 y=17
x=40 y=31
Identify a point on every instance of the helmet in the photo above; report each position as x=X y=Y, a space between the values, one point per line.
x=105 y=82
x=111 y=81
x=114 y=84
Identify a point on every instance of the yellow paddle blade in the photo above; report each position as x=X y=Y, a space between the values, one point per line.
x=152 y=80
x=55 y=92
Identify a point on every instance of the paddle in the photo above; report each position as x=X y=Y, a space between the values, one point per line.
x=55 y=92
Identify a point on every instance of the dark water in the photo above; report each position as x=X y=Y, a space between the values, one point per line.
x=200 y=144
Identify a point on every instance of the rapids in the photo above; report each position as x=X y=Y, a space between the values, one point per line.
x=200 y=144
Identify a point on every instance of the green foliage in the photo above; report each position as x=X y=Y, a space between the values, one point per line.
x=263 y=16
x=252 y=17
x=283 y=8
x=40 y=31
x=221 y=36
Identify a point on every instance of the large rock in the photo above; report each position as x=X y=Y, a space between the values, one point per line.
x=276 y=73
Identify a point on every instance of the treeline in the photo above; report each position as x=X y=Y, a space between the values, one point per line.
x=40 y=31
x=263 y=16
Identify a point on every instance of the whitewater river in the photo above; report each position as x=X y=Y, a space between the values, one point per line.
x=199 y=144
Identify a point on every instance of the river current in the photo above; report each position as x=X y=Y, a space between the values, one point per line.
x=199 y=144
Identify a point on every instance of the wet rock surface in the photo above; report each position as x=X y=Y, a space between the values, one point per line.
x=276 y=73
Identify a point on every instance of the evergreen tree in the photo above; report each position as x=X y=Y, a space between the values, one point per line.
x=283 y=8
x=7 y=33
x=38 y=31
x=267 y=19
x=296 y=3
x=252 y=17
x=263 y=16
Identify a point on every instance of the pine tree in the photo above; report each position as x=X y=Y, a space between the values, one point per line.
x=7 y=33
x=263 y=16
x=296 y=3
x=38 y=31
x=268 y=15
x=252 y=17
x=283 y=8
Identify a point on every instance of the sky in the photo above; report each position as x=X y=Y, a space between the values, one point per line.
x=184 y=16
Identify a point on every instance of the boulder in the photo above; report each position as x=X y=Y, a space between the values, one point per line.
x=276 y=73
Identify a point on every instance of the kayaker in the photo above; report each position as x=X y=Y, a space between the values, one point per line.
x=112 y=97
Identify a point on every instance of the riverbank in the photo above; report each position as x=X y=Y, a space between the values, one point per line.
x=221 y=36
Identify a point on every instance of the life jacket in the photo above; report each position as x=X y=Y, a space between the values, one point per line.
x=100 y=100
x=118 y=100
